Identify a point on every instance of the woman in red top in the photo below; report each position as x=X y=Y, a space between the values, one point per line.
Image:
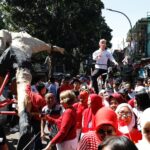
x=34 y=105
x=36 y=100
x=80 y=107
x=127 y=122
x=88 y=119
x=65 y=139
x=106 y=125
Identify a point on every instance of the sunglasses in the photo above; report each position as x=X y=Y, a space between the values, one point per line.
x=108 y=132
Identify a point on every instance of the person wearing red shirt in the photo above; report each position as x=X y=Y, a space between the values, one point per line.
x=65 y=139
x=80 y=107
x=35 y=104
x=65 y=85
x=105 y=125
x=88 y=119
x=37 y=100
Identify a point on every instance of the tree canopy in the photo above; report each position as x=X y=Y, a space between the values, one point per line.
x=76 y=25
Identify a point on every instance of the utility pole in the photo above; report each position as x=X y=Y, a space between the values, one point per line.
x=131 y=34
x=129 y=53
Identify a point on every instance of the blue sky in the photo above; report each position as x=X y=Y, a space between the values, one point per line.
x=134 y=9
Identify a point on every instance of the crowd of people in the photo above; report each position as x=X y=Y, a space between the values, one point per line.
x=81 y=116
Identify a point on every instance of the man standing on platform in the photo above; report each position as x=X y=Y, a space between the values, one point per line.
x=101 y=56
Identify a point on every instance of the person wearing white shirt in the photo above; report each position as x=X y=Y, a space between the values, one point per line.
x=101 y=56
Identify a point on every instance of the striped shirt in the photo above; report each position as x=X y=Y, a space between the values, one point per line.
x=89 y=141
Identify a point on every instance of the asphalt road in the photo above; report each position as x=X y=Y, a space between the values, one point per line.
x=13 y=137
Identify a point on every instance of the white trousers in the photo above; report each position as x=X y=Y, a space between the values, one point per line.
x=68 y=145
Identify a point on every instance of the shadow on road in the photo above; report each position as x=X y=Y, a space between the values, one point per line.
x=13 y=137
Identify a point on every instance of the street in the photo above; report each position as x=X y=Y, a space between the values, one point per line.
x=12 y=138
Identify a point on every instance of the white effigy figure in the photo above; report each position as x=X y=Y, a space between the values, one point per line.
x=17 y=48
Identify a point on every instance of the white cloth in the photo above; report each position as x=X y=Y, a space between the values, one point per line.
x=143 y=145
x=68 y=145
x=138 y=114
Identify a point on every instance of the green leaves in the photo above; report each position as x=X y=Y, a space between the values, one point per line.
x=72 y=24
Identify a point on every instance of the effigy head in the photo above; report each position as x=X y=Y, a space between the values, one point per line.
x=5 y=40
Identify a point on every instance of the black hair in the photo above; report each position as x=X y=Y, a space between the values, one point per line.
x=143 y=100
x=52 y=79
x=40 y=86
x=118 y=143
x=75 y=80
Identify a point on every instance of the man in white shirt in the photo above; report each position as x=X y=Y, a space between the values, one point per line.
x=101 y=57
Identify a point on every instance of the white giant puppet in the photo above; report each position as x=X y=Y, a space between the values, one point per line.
x=17 y=48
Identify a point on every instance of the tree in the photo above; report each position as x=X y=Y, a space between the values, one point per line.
x=73 y=24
